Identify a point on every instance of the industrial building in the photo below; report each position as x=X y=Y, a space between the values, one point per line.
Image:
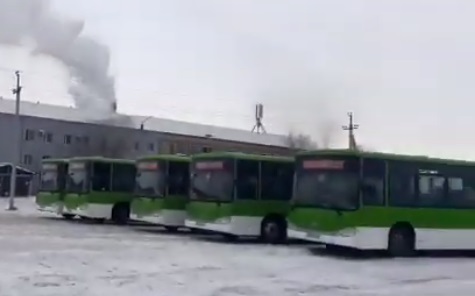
x=50 y=131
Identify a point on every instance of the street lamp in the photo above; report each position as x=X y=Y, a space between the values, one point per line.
x=17 y=144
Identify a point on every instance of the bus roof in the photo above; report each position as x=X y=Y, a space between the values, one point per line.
x=102 y=159
x=386 y=156
x=170 y=157
x=241 y=155
x=55 y=160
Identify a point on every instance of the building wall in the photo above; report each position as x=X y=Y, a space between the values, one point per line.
x=44 y=137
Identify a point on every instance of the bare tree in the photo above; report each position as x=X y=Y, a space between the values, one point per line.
x=300 y=141
x=327 y=133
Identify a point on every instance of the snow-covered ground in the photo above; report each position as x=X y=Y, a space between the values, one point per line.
x=40 y=255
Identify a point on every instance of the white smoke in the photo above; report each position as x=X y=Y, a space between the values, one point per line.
x=87 y=60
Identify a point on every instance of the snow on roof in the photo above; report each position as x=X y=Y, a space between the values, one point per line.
x=153 y=123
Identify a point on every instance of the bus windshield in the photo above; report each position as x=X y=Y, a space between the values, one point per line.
x=150 y=180
x=326 y=185
x=77 y=178
x=49 y=178
x=210 y=181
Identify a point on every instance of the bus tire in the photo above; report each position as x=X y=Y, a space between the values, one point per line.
x=401 y=241
x=274 y=229
x=120 y=213
x=68 y=216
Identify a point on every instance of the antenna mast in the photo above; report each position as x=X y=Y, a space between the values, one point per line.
x=351 y=127
x=259 y=126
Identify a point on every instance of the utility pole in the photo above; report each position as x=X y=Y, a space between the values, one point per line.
x=351 y=127
x=17 y=144
x=259 y=115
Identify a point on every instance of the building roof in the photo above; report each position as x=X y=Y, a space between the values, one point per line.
x=154 y=124
x=9 y=164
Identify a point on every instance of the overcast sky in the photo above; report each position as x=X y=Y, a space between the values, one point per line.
x=405 y=67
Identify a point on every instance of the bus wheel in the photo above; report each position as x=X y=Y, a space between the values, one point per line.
x=120 y=214
x=274 y=230
x=68 y=216
x=401 y=241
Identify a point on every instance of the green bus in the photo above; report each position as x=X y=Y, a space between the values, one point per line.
x=161 y=190
x=100 y=188
x=240 y=195
x=52 y=189
x=377 y=201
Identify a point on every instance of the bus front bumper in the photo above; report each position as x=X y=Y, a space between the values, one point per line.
x=223 y=227
x=295 y=232
x=235 y=225
x=95 y=211
x=162 y=217
x=345 y=238
x=54 y=208
x=364 y=238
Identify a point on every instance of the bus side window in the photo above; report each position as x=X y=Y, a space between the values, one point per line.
x=101 y=176
x=456 y=191
x=276 y=180
x=247 y=179
x=402 y=187
x=123 y=178
x=431 y=190
x=372 y=187
x=178 y=178
x=461 y=190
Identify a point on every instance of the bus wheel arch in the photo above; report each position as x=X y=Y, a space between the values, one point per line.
x=68 y=216
x=402 y=240
x=274 y=228
x=120 y=213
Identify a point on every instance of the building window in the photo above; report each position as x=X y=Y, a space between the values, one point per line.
x=85 y=140
x=46 y=157
x=27 y=159
x=49 y=137
x=137 y=146
x=151 y=147
x=29 y=135
x=67 y=139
